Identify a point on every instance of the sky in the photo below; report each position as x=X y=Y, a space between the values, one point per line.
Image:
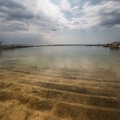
x=59 y=21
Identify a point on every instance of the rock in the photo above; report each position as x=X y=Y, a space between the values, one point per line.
x=115 y=45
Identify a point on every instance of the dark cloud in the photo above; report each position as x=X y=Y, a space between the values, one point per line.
x=110 y=19
x=11 y=4
x=19 y=15
x=12 y=10
x=110 y=22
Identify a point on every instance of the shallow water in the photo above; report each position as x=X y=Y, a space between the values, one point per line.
x=74 y=62
x=60 y=83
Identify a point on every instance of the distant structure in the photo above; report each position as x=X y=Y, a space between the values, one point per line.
x=0 y=44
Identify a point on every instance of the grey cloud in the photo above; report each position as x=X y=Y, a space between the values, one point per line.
x=14 y=16
x=48 y=30
x=110 y=23
x=48 y=26
x=20 y=15
x=14 y=27
x=11 y=4
x=110 y=19
x=12 y=10
x=105 y=15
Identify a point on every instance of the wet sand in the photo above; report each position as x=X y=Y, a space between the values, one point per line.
x=25 y=96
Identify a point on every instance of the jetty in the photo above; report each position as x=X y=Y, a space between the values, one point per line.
x=114 y=45
x=69 y=45
x=13 y=46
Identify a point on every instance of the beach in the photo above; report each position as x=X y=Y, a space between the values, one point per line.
x=36 y=97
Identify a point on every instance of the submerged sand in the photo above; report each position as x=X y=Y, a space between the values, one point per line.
x=25 y=96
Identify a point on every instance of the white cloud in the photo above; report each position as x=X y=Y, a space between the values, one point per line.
x=65 y=5
x=49 y=14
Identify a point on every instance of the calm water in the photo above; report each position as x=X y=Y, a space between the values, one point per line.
x=72 y=62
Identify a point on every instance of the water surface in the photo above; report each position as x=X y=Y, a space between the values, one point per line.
x=72 y=62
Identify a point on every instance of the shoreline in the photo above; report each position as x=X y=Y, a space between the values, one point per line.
x=114 y=45
x=14 y=47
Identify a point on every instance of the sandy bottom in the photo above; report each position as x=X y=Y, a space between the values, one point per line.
x=25 y=96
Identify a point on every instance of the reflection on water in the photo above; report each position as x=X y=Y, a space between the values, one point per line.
x=64 y=61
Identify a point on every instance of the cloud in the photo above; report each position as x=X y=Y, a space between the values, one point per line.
x=111 y=14
x=47 y=18
x=103 y=15
x=65 y=5
x=45 y=15
x=12 y=10
x=14 y=27
x=40 y=15
x=107 y=13
x=11 y=4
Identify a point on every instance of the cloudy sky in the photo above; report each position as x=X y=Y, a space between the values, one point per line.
x=59 y=21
